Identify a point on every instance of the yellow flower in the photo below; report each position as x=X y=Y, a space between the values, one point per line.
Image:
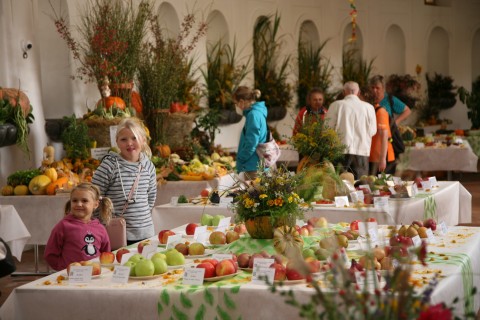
x=271 y=203
x=263 y=196
x=290 y=199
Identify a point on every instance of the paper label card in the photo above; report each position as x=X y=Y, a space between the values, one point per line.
x=442 y=228
x=419 y=145
x=365 y=186
x=426 y=185
x=222 y=256
x=433 y=181
x=80 y=274
x=397 y=180
x=173 y=201
x=113 y=136
x=414 y=190
x=120 y=274
x=193 y=276
x=417 y=241
x=224 y=223
x=373 y=233
x=260 y=273
x=199 y=230
x=431 y=236
x=392 y=190
x=357 y=196
x=380 y=203
x=225 y=201
x=98 y=153
x=173 y=240
x=149 y=250
x=367 y=227
x=341 y=202
x=202 y=237
x=126 y=256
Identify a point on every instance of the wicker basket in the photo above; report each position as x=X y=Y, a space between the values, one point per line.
x=178 y=128
x=99 y=130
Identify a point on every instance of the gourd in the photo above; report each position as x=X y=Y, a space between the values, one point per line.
x=164 y=150
x=48 y=155
x=7 y=190
x=348 y=176
x=20 y=190
x=109 y=102
x=52 y=188
x=287 y=241
x=38 y=185
x=51 y=173
x=136 y=102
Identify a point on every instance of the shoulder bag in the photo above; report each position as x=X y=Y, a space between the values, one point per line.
x=268 y=151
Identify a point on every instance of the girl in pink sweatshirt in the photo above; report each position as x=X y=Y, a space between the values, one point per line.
x=78 y=237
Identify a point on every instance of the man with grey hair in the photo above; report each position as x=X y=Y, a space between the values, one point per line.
x=355 y=122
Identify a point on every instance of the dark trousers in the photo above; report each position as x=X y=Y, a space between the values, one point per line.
x=358 y=165
x=390 y=169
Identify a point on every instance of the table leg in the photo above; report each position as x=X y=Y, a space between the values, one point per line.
x=37 y=272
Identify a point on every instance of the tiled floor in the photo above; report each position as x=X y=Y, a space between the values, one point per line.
x=471 y=181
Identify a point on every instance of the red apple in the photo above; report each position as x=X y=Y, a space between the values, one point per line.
x=217 y=237
x=209 y=269
x=142 y=244
x=182 y=248
x=310 y=228
x=120 y=253
x=371 y=220
x=107 y=258
x=204 y=193
x=354 y=225
x=213 y=262
x=96 y=267
x=304 y=231
x=243 y=259
x=407 y=241
x=418 y=181
x=313 y=264
x=430 y=223
x=240 y=228
x=164 y=234
x=253 y=257
x=280 y=271
x=190 y=228
x=232 y=236
x=225 y=267
x=417 y=223
x=293 y=274
x=395 y=241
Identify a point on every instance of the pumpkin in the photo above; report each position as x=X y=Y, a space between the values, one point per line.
x=38 y=185
x=51 y=173
x=20 y=190
x=54 y=186
x=109 y=102
x=348 y=176
x=136 y=102
x=7 y=190
x=287 y=241
x=164 y=150
x=177 y=107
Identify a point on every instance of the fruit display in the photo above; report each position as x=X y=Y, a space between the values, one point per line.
x=143 y=267
x=287 y=240
x=96 y=267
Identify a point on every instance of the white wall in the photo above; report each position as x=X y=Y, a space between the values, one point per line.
x=45 y=75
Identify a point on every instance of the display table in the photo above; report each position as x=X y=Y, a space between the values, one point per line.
x=237 y=297
x=451 y=203
x=288 y=156
x=191 y=188
x=13 y=231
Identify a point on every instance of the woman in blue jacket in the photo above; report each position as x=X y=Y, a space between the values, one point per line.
x=254 y=131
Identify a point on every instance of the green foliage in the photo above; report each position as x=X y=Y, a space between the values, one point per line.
x=404 y=87
x=75 y=139
x=441 y=93
x=313 y=71
x=22 y=177
x=14 y=115
x=472 y=100
x=354 y=68
x=270 y=74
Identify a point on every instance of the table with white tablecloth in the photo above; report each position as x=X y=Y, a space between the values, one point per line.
x=450 y=202
x=288 y=155
x=13 y=230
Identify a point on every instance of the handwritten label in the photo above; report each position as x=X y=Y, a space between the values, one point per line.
x=198 y=231
x=433 y=181
x=120 y=274
x=193 y=276
x=373 y=233
x=202 y=237
x=414 y=190
x=366 y=227
x=431 y=236
x=222 y=256
x=98 y=153
x=126 y=256
x=380 y=203
x=417 y=241
x=223 y=224
x=173 y=201
x=259 y=275
x=80 y=274
x=173 y=240
x=419 y=145
x=225 y=201
x=442 y=228
x=426 y=186
x=392 y=190
x=341 y=202
x=357 y=196
x=149 y=249
x=365 y=186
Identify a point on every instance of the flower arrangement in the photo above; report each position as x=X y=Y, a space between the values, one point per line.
x=319 y=142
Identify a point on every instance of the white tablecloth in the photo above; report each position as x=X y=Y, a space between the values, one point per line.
x=452 y=201
x=452 y=158
x=288 y=156
x=13 y=231
x=102 y=299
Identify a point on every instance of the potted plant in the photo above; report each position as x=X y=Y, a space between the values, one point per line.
x=441 y=95
x=472 y=100
x=354 y=68
x=271 y=74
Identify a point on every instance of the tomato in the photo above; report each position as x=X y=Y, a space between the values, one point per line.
x=354 y=225
x=371 y=220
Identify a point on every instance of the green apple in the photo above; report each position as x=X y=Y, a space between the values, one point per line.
x=158 y=255
x=144 y=268
x=175 y=258
x=136 y=258
x=216 y=219
x=308 y=252
x=206 y=220
x=160 y=265
x=131 y=264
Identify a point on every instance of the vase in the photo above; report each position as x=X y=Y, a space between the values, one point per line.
x=261 y=227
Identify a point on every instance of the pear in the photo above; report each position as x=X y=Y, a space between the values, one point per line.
x=402 y=231
x=386 y=263
x=322 y=254
x=342 y=240
x=422 y=232
x=379 y=253
x=411 y=232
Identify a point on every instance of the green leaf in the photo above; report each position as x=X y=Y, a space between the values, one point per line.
x=200 y=313
x=208 y=297
x=186 y=302
x=223 y=314
x=229 y=302
x=165 y=298
x=179 y=314
x=235 y=289
x=159 y=308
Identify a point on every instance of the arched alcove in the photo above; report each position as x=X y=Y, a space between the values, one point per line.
x=475 y=55
x=309 y=34
x=168 y=18
x=356 y=45
x=217 y=29
x=394 y=51
x=438 y=52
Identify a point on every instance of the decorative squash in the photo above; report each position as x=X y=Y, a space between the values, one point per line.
x=38 y=185
x=287 y=241
x=109 y=102
x=58 y=184
x=136 y=102
x=20 y=190
x=164 y=150
x=51 y=173
x=7 y=190
x=48 y=155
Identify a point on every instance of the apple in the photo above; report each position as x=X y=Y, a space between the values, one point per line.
x=217 y=237
x=131 y=264
x=96 y=266
x=313 y=264
x=163 y=236
x=297 y=228
x=73 y=264
x=252 y=259
x=136 y=257
x=225 y=267
x=395 y=240
x=204 y=193
x=240 y=228
x=120 y=253
x=417 y=223
x=142 y=244
x=213 y=262
x=216 y=219
x=354 y=225
x=209 y=269
x=368 y=198
x=234 y=261
x=144 y=268
x=418 y=181
x=196 y=249
x=280 y=271
x=292 y=273
x=371 y=220
x=190 y=228
x=182 y=248
x=430 y=223
x=318 y=222
x=206 y=220
x=160 y=265
x=407 y=241
x=107 y=257
x=243 y=259
x=175 y=258
x=232 y=236
x=304 y=231
x=158 y=255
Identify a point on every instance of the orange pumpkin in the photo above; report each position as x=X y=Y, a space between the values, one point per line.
x=54 y=186
x=178 y=107
x=164 y=150
x=136 y=102
x=109 y=102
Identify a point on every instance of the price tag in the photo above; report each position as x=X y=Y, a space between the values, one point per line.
x=419 y=145
x=222 y=256
x=173 y=240
x=120 y=274
x=365 y=186
x=431 y=236
x=225 y=201
x=417 y=241
x=80 y=274
x=433 y=181
x=193 y=276
x=98 y=153
x=173 y=201
x=199 y=230
x=341 y=202
x=442 y=228
x=357 y=196
x=380 y=203
x=426 y=186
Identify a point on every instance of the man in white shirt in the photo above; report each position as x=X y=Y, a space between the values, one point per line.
x=355 y=122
